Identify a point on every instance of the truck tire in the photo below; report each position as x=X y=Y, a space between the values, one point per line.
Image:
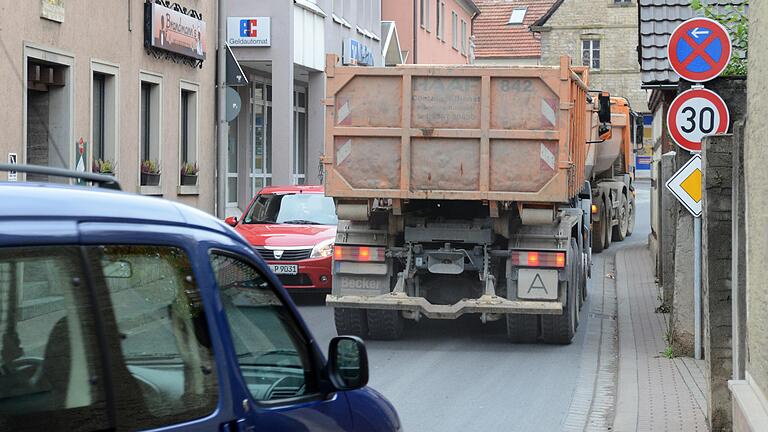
x=576 y=277
x=522 y=328
x=631 y=218
x=385 y=324
x=352 y=322
x=598 y=231
x=608 y=217
x=620 y=230
x=560 y=329
x=583 y=281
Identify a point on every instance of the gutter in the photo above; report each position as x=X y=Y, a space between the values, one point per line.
x=415 y=30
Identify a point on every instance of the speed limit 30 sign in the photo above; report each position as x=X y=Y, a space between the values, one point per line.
x=695 y=114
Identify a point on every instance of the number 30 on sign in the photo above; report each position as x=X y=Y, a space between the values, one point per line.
x=695 y=114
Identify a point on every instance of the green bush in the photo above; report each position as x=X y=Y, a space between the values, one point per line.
x=735 y=19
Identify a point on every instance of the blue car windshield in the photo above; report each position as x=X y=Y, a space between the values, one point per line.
x=299 y=209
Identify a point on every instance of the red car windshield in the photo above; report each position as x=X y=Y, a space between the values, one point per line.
x=299 y=209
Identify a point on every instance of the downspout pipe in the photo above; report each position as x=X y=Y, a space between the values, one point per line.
x=415 y=30
x=222 y=127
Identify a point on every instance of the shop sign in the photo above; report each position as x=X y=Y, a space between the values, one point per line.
x=355 y=52
x=12 y=159
x=174 y=31
x=52 y=10
x=248 y=31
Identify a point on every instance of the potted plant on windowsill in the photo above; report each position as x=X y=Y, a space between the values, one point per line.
x=103 y=166
x=150 y=173
x=189 y=174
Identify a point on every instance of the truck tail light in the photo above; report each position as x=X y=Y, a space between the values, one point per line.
x=538 y=259
x=359 y=253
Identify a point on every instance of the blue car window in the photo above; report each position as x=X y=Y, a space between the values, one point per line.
x=272 y=353
x=50 y=374
x=163 y=332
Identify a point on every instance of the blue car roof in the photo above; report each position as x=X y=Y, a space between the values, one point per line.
x=52 y=201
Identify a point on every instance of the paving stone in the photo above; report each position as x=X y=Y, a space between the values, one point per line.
x=654 y=393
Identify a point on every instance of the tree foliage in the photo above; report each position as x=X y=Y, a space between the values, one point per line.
x=735 y=19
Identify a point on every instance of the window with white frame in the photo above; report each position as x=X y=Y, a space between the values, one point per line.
x=463 y=37
x=104 y=115
x=150 y=118
x=261 y=144
x=188 y=129
x=454 y=30
x=300 y=126
x=232 y=168
x=424 y=14
x=440 y=19
x=590 y=53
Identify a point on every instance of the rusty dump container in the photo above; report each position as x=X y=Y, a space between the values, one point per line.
x=455 y=132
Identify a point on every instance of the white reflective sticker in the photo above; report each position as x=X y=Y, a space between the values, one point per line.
x=343 y=152
x=548 y=112
x=344 y=112
x=547 y=157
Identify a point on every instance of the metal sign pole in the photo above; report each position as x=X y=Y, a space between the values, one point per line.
x=697 y=286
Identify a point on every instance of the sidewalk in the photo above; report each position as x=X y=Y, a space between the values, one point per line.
x=654 y=393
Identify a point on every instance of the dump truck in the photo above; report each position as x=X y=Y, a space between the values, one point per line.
x=611 y=172
x=460 y=190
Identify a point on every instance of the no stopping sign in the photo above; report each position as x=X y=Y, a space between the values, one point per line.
x=695 y=114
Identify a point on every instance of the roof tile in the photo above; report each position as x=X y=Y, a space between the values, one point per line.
x=494 y=38
x=658 y=18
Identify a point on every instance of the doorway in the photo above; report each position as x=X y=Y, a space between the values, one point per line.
x=48 y=112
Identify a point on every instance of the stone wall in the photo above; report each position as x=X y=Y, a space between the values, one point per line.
x=756 y=182
x=717 y=161
x=616 y=28
x=669 y=206
x=738 y=254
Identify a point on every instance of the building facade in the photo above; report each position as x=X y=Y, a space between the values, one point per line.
x=598 y=34
x=281 y=46
x=502 y=31
x=749 y=389
x=84 y=90
x=433 y=31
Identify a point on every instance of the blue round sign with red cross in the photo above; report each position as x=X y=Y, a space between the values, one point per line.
x=699 y=49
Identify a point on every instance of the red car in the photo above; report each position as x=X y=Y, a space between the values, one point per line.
x=293 y=228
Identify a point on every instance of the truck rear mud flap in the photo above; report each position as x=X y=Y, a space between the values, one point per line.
x=485 y=304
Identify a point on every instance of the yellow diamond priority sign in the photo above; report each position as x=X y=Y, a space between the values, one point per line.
x=685 y=185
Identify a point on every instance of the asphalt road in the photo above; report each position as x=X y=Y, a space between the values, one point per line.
x=465 y=376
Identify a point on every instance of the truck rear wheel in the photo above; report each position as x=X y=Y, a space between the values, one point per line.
x=583 y=281
x=598 y=231
x=385 y=324
x=608 y=222
x=351 y=322
x=560 y=329
x=631 y=218
x=522 y=328
x=620 y=230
